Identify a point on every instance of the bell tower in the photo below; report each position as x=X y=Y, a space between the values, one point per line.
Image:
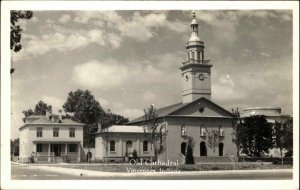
x=195 y=72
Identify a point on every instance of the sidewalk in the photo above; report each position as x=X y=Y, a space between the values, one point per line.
x=82 y=172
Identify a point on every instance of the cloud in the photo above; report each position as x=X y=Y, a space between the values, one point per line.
x=55 y=102
x=148 y=96
x=95 y=74
x=103 y=102
x=64 y=19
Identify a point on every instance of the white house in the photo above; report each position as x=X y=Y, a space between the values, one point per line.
x=50 y=138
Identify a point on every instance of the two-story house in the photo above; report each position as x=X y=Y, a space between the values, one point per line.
x=50 y=138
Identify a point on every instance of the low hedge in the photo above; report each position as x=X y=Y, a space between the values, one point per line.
x=274 y=160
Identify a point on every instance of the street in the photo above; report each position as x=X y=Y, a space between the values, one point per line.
x=24 y=172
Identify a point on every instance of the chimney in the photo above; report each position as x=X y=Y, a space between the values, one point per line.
x=60 y=115
x=48 y=114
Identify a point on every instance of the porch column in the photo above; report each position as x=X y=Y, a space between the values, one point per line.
x=138 y=146
x=49 y=152
x=121 y=147
x=66 y=149
x=78 y=152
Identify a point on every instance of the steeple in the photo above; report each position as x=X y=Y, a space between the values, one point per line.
x=195 y=70
x=194 y=27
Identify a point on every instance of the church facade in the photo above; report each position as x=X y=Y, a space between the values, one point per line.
x=195 y=117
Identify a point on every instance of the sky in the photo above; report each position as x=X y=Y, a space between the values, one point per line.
x=130 y=59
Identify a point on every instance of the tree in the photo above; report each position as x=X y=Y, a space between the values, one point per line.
x=189 y=158
x=40 y=109
x=235 y=123
x=255 y=136
x=15 y=147
x=283 y=137
x=213 y=140
x=288 y=138
x=85 y=109
x=154 y=130
x=15 y=30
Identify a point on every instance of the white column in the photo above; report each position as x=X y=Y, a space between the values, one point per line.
x=138 y=146
x=49 y=153
x=121 y=147
x=78 y=152
x=66 y=149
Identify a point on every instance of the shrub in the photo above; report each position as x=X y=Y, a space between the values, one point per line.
x=134 y=155
x=189 y=158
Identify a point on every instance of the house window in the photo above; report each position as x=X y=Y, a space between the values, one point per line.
x=39 y=148
x=193 y=55
x=183 y=130
x=145 y=146
x=72 y=132
x=55 y=132
x=39 y=132
x=202 y=131
x=112 y=146
x=72 y=147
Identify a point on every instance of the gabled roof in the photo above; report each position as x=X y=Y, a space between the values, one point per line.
x=42 y=120
x=176 y=109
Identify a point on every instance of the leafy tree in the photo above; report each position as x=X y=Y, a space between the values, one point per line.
x=40 y=109
x=255 y=136
x=85 y=109
x=154 y=130
x=15 y=30
x=189 y=158
x=235 y=123
x=283 y=136
x=288 y=138
x=15 y=147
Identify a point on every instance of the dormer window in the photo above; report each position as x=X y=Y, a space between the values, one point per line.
x=183 y=130
x=202 y=131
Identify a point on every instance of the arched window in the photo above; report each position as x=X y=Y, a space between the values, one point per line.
x=112 y=146
x=183 y=148
x=198 y=55
x=203 y=151
x=193 y=55
x=145 y=146
x=221 y=147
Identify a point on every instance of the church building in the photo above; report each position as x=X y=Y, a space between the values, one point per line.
x=194 y=117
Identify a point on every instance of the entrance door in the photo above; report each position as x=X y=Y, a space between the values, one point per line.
x=221 y=147
x=56 y=148
x=129 y=147
x=203 y=151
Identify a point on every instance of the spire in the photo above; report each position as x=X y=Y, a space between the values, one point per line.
x=194 y=27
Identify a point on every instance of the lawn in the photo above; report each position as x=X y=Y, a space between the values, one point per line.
x=196 y=167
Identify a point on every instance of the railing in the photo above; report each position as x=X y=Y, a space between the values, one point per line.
x=195 y=61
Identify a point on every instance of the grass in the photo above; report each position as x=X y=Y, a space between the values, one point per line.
x=196 y=167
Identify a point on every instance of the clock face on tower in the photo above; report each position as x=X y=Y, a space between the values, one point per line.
x=201 y=76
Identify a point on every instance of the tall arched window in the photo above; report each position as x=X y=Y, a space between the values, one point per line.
x=198 y=55
x=183 y=148
x=112 y=146
x=221 y=147
x=145 y=146
x=203 y=151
